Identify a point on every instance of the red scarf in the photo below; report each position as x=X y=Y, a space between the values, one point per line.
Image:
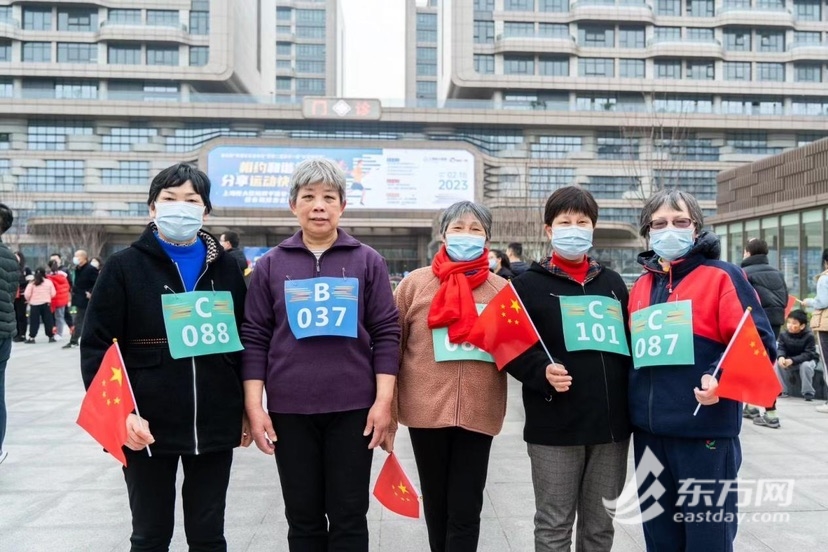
x=453 y=304
x=577 y=270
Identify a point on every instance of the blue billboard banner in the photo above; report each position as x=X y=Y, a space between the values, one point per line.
x=259 y=177
x=253 y=254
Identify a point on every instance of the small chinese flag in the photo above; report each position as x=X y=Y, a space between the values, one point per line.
x=107 y=404
x=789 y=307
x=747 y=372
x=504 y=329
x=395 y=491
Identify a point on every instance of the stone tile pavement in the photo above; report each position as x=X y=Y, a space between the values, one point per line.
x=59 y=492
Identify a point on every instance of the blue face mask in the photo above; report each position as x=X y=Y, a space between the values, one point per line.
x=464 y=247
x=671 y=243
x=492 y=265
x=178 y=220
x=571 y=242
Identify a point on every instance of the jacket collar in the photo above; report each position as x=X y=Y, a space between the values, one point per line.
x=547 y=267
x=148 y=243
x=707 y=246
x=755 y=260
x=343 y=239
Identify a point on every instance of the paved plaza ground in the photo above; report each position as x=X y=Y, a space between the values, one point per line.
x=59 y=492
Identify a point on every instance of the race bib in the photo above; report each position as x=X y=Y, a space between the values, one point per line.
x=593 y=323
x=445 y=350
x=200 y=323
x=662 y=335
x=322 y=307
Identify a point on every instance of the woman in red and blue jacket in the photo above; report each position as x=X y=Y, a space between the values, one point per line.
x=694 y=451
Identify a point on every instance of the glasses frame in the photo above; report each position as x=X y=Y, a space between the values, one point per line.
x=661 y=224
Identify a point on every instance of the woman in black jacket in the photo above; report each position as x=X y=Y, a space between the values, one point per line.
x=191 y=407
x=24 y=276
x=574 y=392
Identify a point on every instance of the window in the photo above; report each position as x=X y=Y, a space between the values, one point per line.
x=807 y=37
x=59 y=175
x=427 y=21
x=426 y=35
x=426 y=90
x=199 y=56
x=128 y=173
x=284 y=83
x=631 y=37
x=596 y=102
x=596 y=67
x=284 y=15
x=737 y=40
x=807 y=72
x=553 y=66
x=163 y=18
x=426 y=62
x=483 y=32
x=700 y=70
x=310 y=66
x=148 y=92
x=737 y=70
x=284 y=49
x=611 y=145
x=199 y=22
x=543 y=180
x=687 y=149
x=6 y=90
x=518 y=65
x=612 y=187
x=555 y=147
x=5 y=50
x=37 y=51
x=515 y=29
x=283 y=29
x=38 y=88
x=557 y=6
x=4 y=141
x=51 y=135
x=484 y=64
x=667 y=34
x=810 y=106
x=493 y=142
x=79 y=89
x=700 y=8
x=311 y=87
x=553 y=30
x=77 y=52
x=596 y=36
x=124 y=54
x=124 y=17
x=770 y=41
x=808 y=10
x=37 y=19
x=519 y=5
x=750 y=142
x=162 y=55
x=699 y=35
x=484 y=5
x=315 y=52
x=123 y=138
x=53 y=208
x=770 y=72
x=631 y=68
x=77 y=20
x=5 y=14
x=5 y=164
x=667 y=69
x=802 y=139
x=310 y=24
x=668 y=7
x=701 y=184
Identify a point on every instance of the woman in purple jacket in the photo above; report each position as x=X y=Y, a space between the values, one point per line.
x=322 y=338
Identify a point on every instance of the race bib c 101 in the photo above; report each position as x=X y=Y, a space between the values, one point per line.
x=593 y=323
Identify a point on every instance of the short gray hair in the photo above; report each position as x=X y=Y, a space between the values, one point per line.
x=461 y=208
x=674 y=198
x=315 y=171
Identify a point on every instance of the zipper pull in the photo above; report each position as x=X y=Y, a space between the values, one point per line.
x=318 y=270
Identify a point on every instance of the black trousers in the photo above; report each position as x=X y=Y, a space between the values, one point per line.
x=36 y=314
x=151 y=486
x=78 y=331
x=325 y=470
x=20 y=316
x=452 y=463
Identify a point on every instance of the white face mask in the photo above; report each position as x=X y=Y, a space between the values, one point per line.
x=95 y=263
x=178 y=220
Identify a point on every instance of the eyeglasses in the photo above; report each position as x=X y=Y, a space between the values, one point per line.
x=660 y=224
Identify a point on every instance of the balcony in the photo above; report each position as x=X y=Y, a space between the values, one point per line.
x=811 y=51
x=563 y=43
x=684 y=48
x=755 y=17
x=604 y=10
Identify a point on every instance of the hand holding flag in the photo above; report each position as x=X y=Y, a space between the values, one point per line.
x=394 y=490
x=791 y=303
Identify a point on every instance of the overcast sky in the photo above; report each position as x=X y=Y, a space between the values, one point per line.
x=374 y=48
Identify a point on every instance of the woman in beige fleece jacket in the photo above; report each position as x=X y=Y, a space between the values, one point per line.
x=450 y=394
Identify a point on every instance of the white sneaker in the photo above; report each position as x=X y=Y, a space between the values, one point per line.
x=823 y=408
x=3 y=456
x=57 y=337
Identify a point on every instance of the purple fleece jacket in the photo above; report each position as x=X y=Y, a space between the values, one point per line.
x=319 y=374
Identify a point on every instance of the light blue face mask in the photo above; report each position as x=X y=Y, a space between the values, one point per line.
x=492 y=264
x=178 y=220
x=672 y=243
x=464 y=247
x=571 y=242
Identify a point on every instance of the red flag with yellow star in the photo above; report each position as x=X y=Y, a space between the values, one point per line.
x=107 y=404
x=747 y=371
x=504 y=329
x=395 y=491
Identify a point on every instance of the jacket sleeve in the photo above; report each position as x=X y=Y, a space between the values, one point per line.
x=382 y=318
x=259 y=322
x=52 y=290
x=781 y=350
x=105 y=319
x=809 y=352
x=28 y=292
x=821 y=299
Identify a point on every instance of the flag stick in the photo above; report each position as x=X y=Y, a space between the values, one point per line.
x=729 y=345
x=129 y=384
x=509 y=283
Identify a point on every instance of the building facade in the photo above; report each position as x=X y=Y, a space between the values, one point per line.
x=96 y=97
x=781 y=199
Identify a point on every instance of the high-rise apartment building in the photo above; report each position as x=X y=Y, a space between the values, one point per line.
x=421 y=36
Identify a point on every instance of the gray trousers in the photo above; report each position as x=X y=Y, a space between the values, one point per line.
x=573 y=480
x=806 y=375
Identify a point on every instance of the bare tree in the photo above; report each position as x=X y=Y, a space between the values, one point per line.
x=76 y=233
x=520 y=217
